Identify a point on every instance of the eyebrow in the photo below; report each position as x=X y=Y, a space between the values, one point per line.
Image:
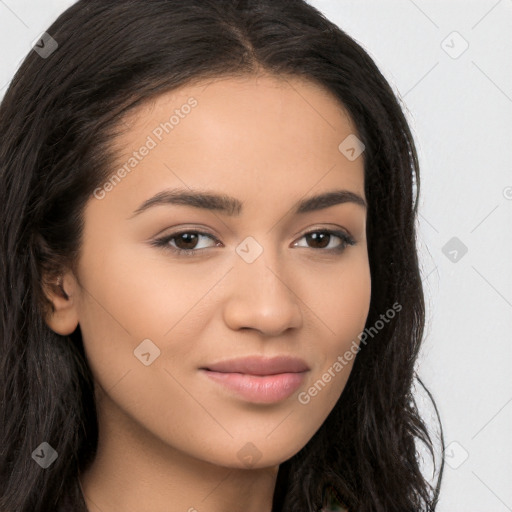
x=233 y=207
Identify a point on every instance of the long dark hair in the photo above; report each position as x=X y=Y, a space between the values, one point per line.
x=56 y=120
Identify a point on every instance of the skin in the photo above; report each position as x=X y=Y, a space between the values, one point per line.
x=169 y=437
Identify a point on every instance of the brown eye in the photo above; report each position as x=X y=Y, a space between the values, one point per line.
x=184 y=242
x=321 y=239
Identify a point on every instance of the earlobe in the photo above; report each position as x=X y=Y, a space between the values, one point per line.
x=64 y=319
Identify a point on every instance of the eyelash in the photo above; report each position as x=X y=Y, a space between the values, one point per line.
x=163 y=242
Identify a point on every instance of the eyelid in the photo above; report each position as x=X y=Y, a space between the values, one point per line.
x=209 y=232
x=343 y=234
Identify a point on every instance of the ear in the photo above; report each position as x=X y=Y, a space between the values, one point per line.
x=62 y=292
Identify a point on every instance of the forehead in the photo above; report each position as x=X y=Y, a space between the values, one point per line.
x=256 y=136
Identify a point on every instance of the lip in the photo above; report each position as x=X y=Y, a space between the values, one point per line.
x=258 y=379
x=257 y=365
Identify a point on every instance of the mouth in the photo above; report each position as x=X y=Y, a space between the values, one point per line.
x=257 y=379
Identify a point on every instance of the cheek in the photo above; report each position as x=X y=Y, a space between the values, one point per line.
x=340 y=299
x=350 y=294
x=140 y=291
x=139 y=296
x=127 y=299
x=143 y=296
x=343 y=309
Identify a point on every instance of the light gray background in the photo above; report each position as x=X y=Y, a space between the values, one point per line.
x=459 y=105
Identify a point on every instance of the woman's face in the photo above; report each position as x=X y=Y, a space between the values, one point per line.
x=254 y=283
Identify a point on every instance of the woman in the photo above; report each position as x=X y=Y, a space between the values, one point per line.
x=270 y=369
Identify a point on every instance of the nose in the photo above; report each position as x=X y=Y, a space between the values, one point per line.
x=263 y=296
